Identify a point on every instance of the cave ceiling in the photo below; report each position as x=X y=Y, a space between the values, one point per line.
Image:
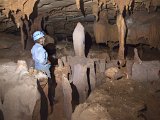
x=60 y=16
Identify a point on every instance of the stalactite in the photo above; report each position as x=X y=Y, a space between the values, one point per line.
x=25 y=6
x=28 y=35
x=121 y=4
x=102 y=2
x=22 y=37
x=95 y=11
x=27 y=26
x=36 y=24
x=136 y=56
x=122 y=32
x=78 y=4
x=28 y=7
x=19 y=9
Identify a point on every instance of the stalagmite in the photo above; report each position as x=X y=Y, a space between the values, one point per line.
x=136 y=56
x=63 y=86
x=122 y=33
x=67 y=92
x=79 y=40
x=82 y=75
x=80 y=81
x=17 y=81
x=92 y=75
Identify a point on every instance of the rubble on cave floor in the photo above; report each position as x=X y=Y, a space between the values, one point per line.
x=122 y=100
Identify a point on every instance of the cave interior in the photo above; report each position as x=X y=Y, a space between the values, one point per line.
x=118 y=61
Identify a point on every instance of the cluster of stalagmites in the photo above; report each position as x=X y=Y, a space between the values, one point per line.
x=84 y=72
x=18 y=86
x=87 y=72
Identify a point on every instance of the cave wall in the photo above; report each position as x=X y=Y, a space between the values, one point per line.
x=58 y=18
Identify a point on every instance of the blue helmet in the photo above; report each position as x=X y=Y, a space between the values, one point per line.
x=37 y=35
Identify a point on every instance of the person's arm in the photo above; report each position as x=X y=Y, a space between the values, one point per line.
x=42 y=56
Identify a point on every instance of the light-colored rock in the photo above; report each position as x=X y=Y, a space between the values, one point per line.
x=79 y=40
x=88 y=111
x=18 y=91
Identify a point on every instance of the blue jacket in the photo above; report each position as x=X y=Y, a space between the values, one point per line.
x=40 y=57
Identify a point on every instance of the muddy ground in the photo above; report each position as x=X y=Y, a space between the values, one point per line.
x=113 y=100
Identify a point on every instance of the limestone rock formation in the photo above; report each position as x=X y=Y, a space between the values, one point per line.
x=78 y=2
x=16 y=86
x=18 y=9
x=79 y=40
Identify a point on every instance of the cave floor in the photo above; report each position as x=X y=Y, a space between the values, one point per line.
x=123 y=99
x=128 y=99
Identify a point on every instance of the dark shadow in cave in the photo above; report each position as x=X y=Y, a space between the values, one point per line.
x=28 y=40
x=75 y=97
x=88 y=43
x=44 y=26
x=50 y=48
x=1 y=115
x=132 y=7
x=128 y=47
x=34 y=14
x=44 y=103
x=82 y=7
x=26 y=36
x=51 y=88
x=142 y=112
x=88 y=80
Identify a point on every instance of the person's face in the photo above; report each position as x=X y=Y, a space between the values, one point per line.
x=41 y=41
